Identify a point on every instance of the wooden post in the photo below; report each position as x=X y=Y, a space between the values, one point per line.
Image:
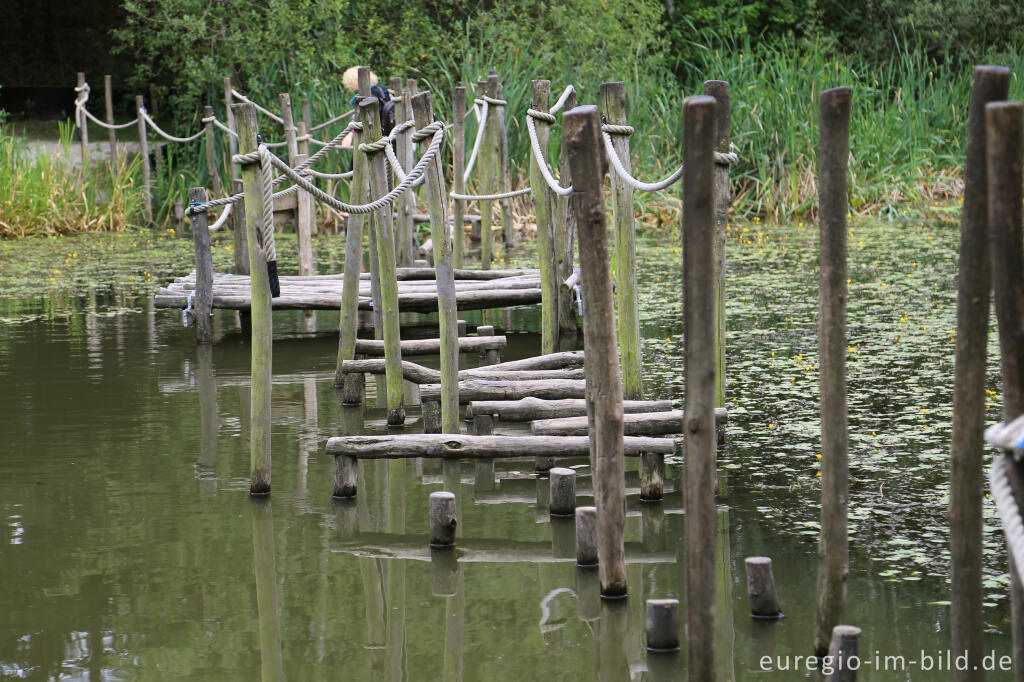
x=581 y=132
x=458 y=171
x=203 y=305
x=563 y=492
x=1004 y=176
x=843 y=648
x=403 y=150
x=652 y=476
x=108 y=98
x=491 y=356
x=147 y=192
x=487 y=162
x=385 y=244
x=967 y=450
x=448 y=318
x=241 y=243
x=543 y=200
x=375 y=293
x=262 y=321
x=289 y=127
x=352 y=393
x=346 y=472
x=586 y=536
x=83 y=129
x=305 y=210
x=505 y=184
x=723 y=198
x=565 y=244
x=699 y=360
x=627 y=309
x=211 y=156
x=663 y=625
x=764 y=602
x=411 y=89
x=442 y=519
x=833 y=549
x=306 y=126
x=232 y=140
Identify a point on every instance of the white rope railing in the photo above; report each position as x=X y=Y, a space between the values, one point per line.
x=1009 y=438
x=266 y=112
x=152 y=124
x=553 y=183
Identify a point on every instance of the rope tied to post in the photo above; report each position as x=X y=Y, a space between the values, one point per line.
x=609 y=129
x=1010 y=439
x=546 y=172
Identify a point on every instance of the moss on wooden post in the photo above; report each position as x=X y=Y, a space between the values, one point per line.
x=204 y=268
x=723 y=198
x=262 y=323
x=613 y=107
x=448 y=321
x=543 y=200
x=385 y=244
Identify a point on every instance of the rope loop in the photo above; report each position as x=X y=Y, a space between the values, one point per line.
x=427 y=131
x=401 y=128
x=492 y=100
x=620 y=130
x=541 y=115
x=376 y=146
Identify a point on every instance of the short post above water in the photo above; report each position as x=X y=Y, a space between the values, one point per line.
x=443 y=519
x=833 y=545
x=581 y=133
x=662 y=625
x=699 y=360
x=203 y=305
x=563 y=492
x=764 y=602
x=843 y=651
x=586 y=536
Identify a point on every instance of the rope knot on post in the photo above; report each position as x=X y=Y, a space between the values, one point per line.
x=375 y=146
x=541 y=115
x=613 y=129
x=427 y=131
x=493 y=100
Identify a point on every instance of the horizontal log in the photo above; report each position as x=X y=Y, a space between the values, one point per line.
x=635 y=424
x=424 y=218
x=573 y=358
x=452 y=446
x=530 y=408
x=474 y=550
x=407 y=273
x=482 y=389
x=467 y=344
x=407 y=303
x=237 y=287
x=418 y=374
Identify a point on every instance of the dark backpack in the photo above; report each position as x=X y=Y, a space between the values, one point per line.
x=387 y=108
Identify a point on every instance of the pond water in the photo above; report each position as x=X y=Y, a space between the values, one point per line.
x=130 y=548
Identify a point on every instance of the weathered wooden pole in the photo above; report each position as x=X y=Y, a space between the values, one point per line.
x=723 y=198
x=229 y=114
x=405 y=247
x=83 y=128
x=211 y=152
x=543 y=200
x=1003 y=149
x=833 y=547
x=663 y=625
x=306 y=126
x=108 y=99
x=365 y=83
x=411 y=89
x=262 y=320
x=305 y=214
x=764 y=601
x=385 y=244
x=504 y=182
x=289 y=127
x=565 y=246
x=627 y=308
x=147 y=193
x=581 y=133
x=586 y=536
x=967 y=450
x=352 y=384
x=241 y=242
x=443 y=519
x=487 y=162
x=843 y=653
x=458 y=171
x=203 y=305
x=699 y=360
x=448 y=317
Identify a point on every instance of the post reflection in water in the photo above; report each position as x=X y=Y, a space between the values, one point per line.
x=209 y=426
x=613 y=632
x=265 y=568
x=725 y=639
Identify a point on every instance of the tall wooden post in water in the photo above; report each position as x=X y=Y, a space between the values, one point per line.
x=967 y=624
x=581 y=134
x=1003 y=149
x=229 y=114
x=565 y=247
x=108 y=101
x=448 y=322
x=305 y=213
x=488 y=163
x=627 y=309
x=385 y=242
x=204 y=268
x=211 y=152
x=543 y=199
x=458 y=173
x=723 y=197
x=833 y=548
x=262 y=322
x=699 y=360
x=83 y=128
x=147 y=193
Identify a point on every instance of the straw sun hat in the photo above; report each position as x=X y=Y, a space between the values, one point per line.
x=351 y=78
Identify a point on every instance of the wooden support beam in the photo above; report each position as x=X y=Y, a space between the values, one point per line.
x=453 y=446
x=660 y=423
x=203 y=305
x=530 y=408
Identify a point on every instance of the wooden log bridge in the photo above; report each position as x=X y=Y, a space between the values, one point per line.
x=467 y=344
x=416 y=293
x=530 y=408
x=634 y=424
x=418 y=374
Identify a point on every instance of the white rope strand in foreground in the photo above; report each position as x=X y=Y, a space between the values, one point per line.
x=265 y=112
x=1009 y=512
x=550 y=179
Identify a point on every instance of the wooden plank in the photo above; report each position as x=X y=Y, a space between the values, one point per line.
x=482 y=389
x=466 y=344
x=634 y=424
x=455 y=446
x=529 y=408
x=425 y=375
